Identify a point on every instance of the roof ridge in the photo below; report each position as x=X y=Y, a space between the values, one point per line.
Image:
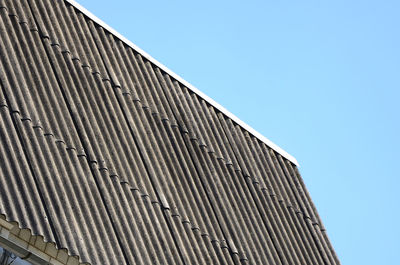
x=184 y=82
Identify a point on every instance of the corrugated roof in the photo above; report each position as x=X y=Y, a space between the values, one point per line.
x=111 y=156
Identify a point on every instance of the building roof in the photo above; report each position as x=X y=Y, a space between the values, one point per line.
x=111 y=156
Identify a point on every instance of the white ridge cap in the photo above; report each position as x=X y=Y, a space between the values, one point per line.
x=184 y=82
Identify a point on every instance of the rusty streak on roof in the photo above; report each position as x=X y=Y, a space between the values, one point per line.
x=110 y=156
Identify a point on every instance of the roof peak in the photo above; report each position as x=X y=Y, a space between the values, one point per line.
x=185 y=83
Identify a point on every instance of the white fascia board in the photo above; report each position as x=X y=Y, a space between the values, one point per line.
x=185 y=83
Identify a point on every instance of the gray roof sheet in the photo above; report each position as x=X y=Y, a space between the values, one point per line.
x=110 y=156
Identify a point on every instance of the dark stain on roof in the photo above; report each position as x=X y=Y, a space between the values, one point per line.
x=108 y=156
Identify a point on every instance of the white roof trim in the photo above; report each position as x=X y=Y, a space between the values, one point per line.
x=184 y=82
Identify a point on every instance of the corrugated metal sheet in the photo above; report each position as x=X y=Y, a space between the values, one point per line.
x=110 y=157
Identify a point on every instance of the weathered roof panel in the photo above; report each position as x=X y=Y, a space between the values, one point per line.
x=109 y=155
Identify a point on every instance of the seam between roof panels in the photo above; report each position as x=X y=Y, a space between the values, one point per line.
x=146 y=194
x=184 y=82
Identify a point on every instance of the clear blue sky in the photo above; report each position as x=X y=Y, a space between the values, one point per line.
x=319 y=78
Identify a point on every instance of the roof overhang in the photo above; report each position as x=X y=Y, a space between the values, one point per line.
x=30 y=248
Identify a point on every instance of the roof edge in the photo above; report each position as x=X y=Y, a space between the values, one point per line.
x=184 y=82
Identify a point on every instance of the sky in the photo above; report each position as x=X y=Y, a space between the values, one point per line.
x=321 y=79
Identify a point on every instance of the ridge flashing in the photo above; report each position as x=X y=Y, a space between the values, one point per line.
x=184 y=82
